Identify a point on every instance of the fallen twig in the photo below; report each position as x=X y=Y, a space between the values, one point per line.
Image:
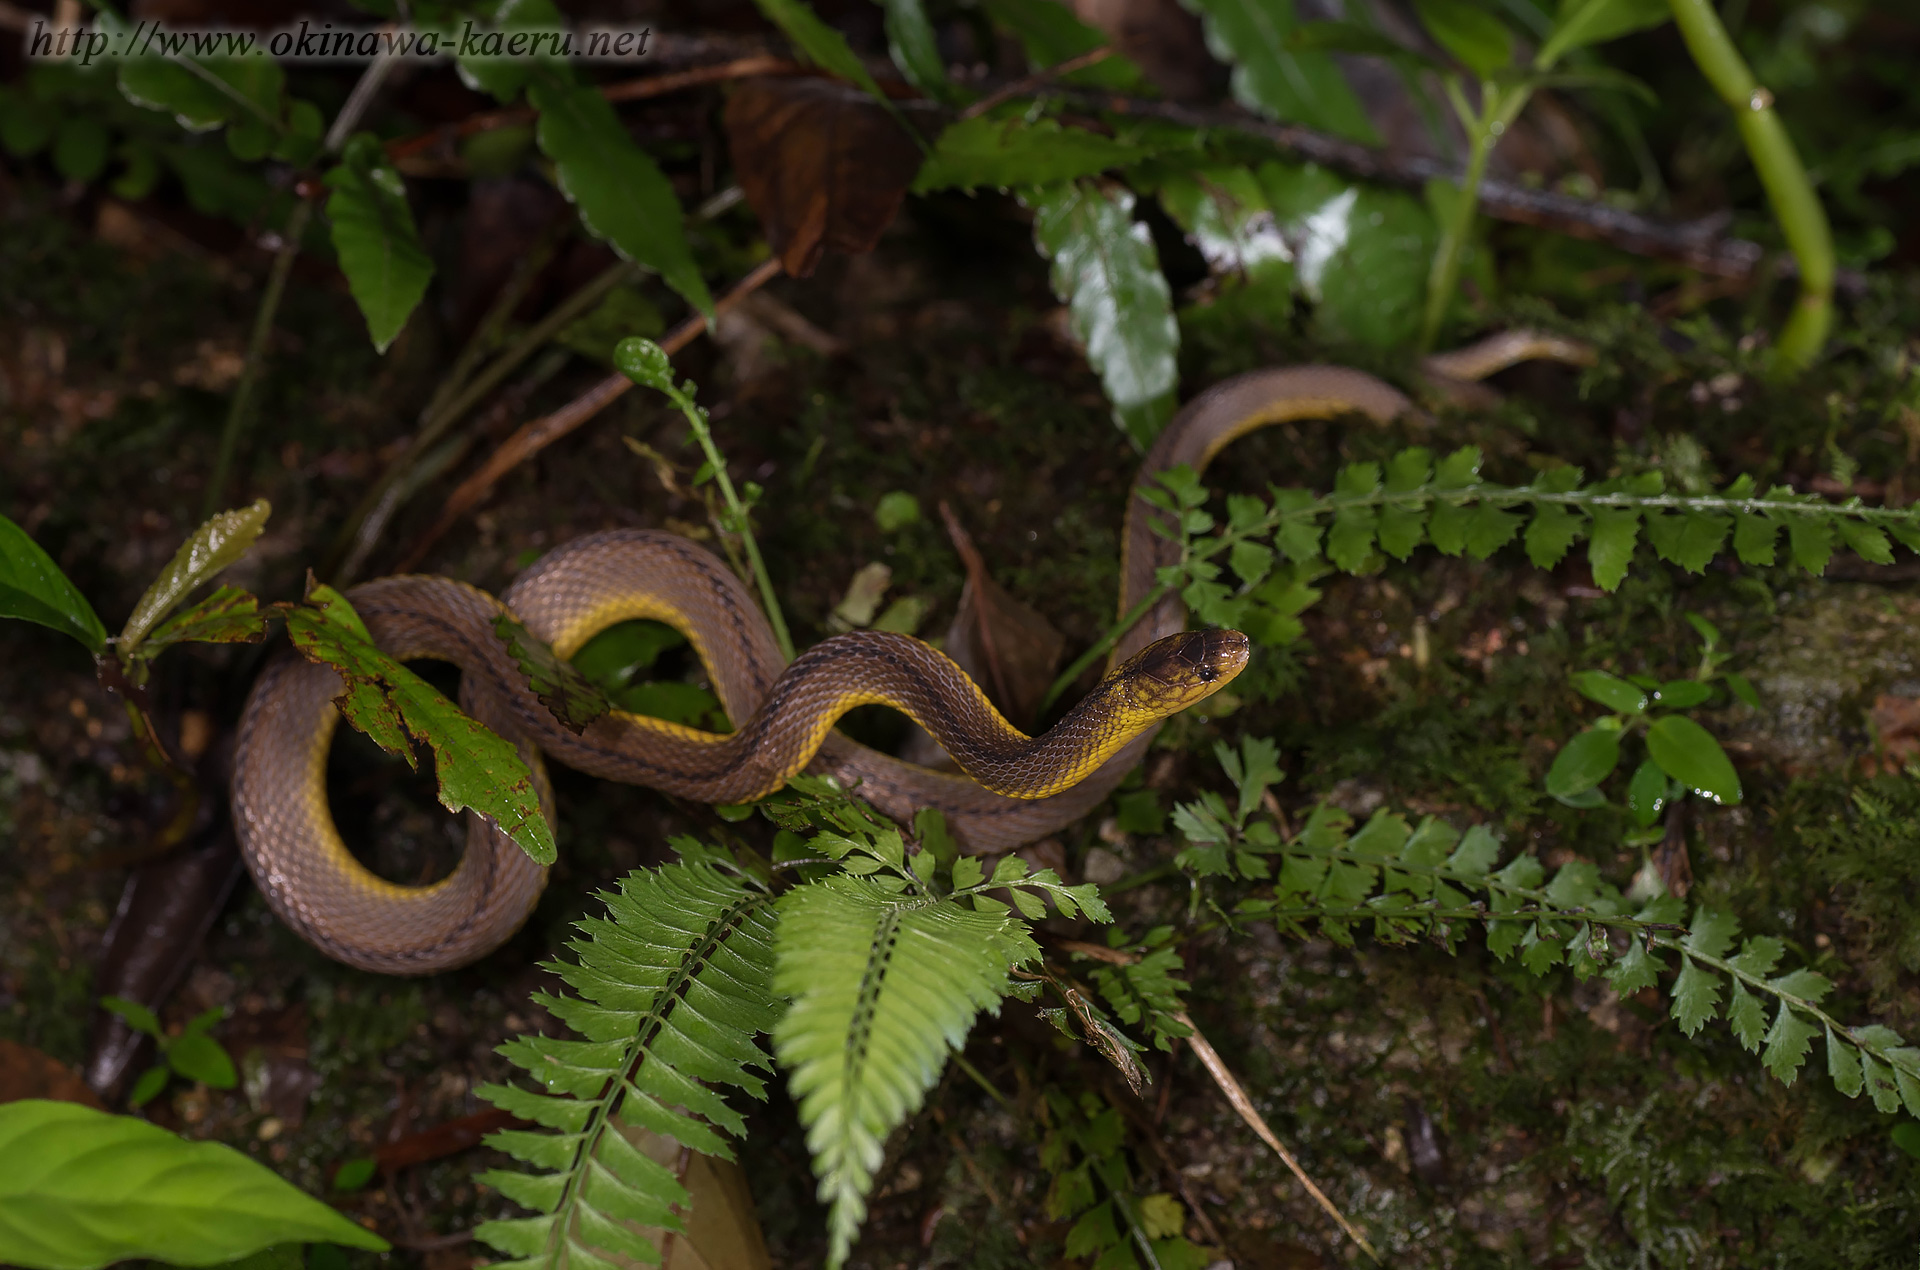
x=540 y=433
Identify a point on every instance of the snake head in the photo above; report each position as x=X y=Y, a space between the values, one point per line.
x=1171 y=674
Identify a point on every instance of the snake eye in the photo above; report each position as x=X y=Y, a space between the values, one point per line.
x=1207 y=674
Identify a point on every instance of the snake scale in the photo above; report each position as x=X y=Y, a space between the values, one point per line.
x=1015 y=789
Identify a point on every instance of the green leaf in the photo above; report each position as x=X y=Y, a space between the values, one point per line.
x=1753 y=536
x=85 y=1189
x=1867 y=541
x=913 y=48
x=1688 y=753
x=1610 y=548
x=1275 y=78
x=1476 y=853
x=1581 y=23
x=199 y=94
x=1008 y=152
x=201 y=1058
x=137 y=1016
x=1682 y=694
x=1647 y=793
x=484 y=67
x=1106 y=271
x=573 y=698
x=1554 y=530
x=1476 y=39
x=819 y=44
x=227 y=616
x=1747 y=1017
x=1689 y=539
x=355 y=1173
x=1489 y=529
x=374 y=237
x=881 y=990
x=385 y=700
x=1610 y=691
x=223 y=539
x=148 y=1087
x=1811 y=540
x=1050 y=35
x=1712 y=933
x=1638 y=969
x=622 y=195
x=32 y=587
x=1362 y=253
x=1843 y=1065
x=1788 y=1042
x=1695 y=996
x=1584 y=762
x=1742 y=689
x=1880 y=1083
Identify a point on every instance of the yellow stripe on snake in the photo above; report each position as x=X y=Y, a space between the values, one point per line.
x=1015 y=789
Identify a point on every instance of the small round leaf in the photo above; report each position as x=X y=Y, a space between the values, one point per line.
x=1647 y=793
x=1688 y=753
x=644 y=362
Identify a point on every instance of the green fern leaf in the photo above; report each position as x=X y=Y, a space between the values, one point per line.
x=1843 y=1065
x=1554 y=530
x=1689 y=539
x=1758 y=956
x=1747 y=1017
x=1638 y=969
x=1712 y=933
x=1788 y=1042
x=1696 y=996
x=1867 y=541
x=1811 y=540
x=1610 y=548
x=1879 y=1081
x=1753 y=538
x=883 y=986
x=1488 y=529
x=674 y=984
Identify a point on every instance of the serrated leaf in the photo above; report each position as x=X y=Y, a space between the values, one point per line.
x=219 y=542
x=1688 y=539
x=228 y=616
x=1810 y=538
x=1688 y=753
x=1867 y=541
x=375 y=240
x=32 y=587
x=1746 y=1016
x=622 y=195
x=1610 y=544
x=1011 y=152
x=1350 y=539
x=881 y=991
x=1105 y=269
x=1753 y=538
x=1554 y=530
x=1251 y=562
x=1712 y=933
x=84 y=1189
x=1476 y=853
x=1878 y=1078
x=1273 y=77
x=1696 y=996
x=1843 y=1065
x=1638 y=969
x=1788 y=1042
x=475 y=767
x=1488 y=529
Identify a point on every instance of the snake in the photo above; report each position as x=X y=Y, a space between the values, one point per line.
x=1011 y=789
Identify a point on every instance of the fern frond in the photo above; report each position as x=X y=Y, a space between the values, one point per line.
x=1375 y=512
x=884 y=984
x=674 y=986
x=1430 y=881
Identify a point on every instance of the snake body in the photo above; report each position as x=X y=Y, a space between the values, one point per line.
x=1015 y=789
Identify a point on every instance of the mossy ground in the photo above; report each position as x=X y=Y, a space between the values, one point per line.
x=1464 y=1112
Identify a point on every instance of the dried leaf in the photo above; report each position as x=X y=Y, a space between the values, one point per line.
x=1015 y=645
x=570 y=695
x=825 y=166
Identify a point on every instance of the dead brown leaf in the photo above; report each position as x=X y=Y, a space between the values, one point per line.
x=1018 y=649
x=26 y=1072
x=824 y=165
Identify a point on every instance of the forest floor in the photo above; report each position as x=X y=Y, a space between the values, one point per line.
x=1461 y=1110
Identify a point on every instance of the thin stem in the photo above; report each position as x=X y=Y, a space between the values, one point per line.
x=1484 y=130
x=979 y=1078
x=697 y=422
x=240 y=408
x=1803 y=221
x=1101 y=646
